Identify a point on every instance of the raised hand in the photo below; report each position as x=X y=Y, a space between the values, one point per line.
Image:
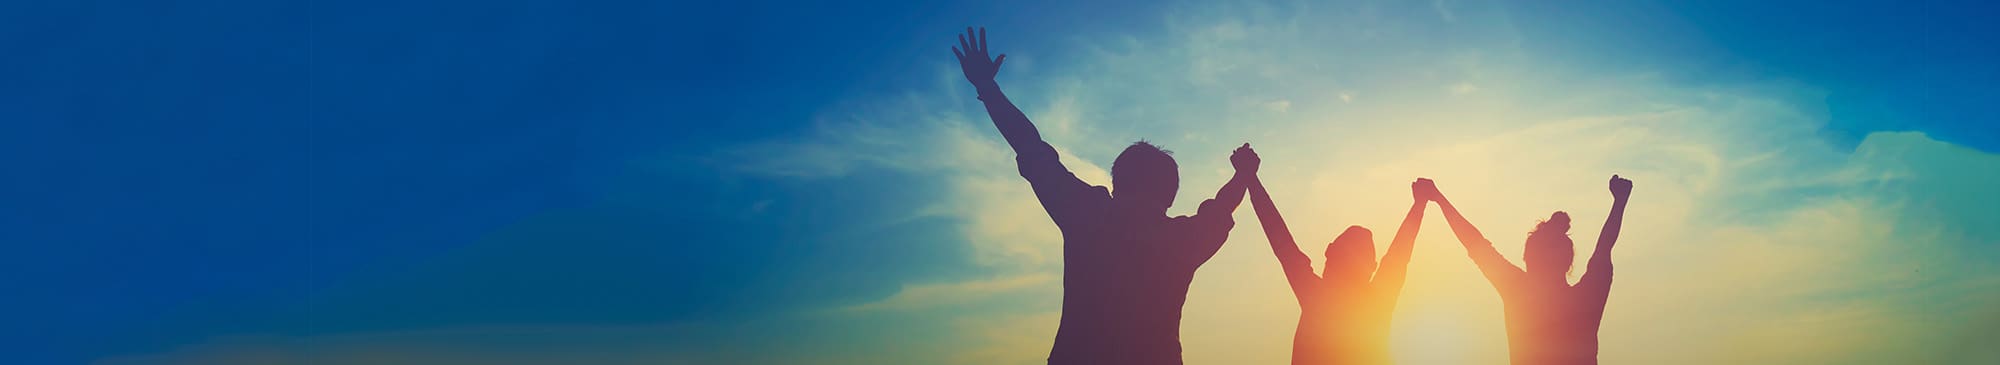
x=1245 y=160
x=1424 y=190
x=972 y=57
x=1621 y=188
x=1599 y=276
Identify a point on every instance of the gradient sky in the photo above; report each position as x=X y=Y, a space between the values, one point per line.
x=515 y=182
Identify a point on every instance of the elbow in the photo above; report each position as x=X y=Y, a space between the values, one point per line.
x=1037 y=152
x=1295 y=259
x=1600 y=266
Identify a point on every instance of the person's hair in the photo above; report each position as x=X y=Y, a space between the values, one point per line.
x=1549 y=244
x=1146 y=172
x=1351 y=255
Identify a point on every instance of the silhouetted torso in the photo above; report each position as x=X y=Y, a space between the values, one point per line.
x=1125 y=276
x=1551 y=322
x=1343 y=324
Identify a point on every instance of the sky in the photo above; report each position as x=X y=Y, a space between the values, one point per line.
x=546 y=182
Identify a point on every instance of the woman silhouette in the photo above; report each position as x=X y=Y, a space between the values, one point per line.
x=1549 y=321
x=1343 y=314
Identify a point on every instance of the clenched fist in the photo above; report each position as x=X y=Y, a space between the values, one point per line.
x=1621 y=188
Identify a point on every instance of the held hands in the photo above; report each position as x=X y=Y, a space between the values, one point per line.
x=1245 y=160
x=1425 y=190
x=972 y=57
x=1621 y=188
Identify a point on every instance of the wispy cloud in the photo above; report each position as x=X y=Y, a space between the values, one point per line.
x=1463 y=88
x=931 y=295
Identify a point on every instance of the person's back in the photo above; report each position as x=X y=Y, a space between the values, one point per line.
x=1553 y=323
x=1343 y=330
x=1123 y=288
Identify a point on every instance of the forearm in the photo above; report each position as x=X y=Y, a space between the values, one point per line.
x=1012 y=123
x=1609 y=236
x=1275 y=231
x=1397 y=261
x=1231 y=194
x=1406 y=235
x=1467 y=234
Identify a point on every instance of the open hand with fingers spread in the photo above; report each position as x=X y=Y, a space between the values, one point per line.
x=1621 y=188
x=973 y=59
x=1245 y=160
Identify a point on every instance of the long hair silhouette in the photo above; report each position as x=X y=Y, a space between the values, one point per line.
x=1549 y=321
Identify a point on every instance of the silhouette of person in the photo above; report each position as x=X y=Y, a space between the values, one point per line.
x=1549 y=321
x=1126 y=264
x=1343 y=314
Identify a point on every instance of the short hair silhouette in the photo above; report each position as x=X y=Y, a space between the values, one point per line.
x=1146 y=175
x=1352 y=253
x=1549 y=248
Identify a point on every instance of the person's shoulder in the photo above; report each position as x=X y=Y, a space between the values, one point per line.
x=1078 y=203
x=1090 y=194
x=1591 y=286
x=1200 y=228
x=1179 y=225
x=1097 y=195
x=1191 y=220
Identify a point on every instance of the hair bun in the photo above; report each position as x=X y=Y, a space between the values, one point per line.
x=1558 y=222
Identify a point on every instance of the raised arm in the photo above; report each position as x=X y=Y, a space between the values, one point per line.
x=1496 y=268
x=1395 y=264
x=1297 y=266
x=1037 y=161
x=1245 y=161
x=1599 y=274
x=1215 y=216
x=1013 y=124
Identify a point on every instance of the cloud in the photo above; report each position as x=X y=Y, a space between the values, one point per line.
x=1443 y=10
x=1463 y=88
x=919 y=296
x=1282 y=105
x=698 y=251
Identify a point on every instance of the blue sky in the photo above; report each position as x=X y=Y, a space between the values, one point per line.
x=196 y=170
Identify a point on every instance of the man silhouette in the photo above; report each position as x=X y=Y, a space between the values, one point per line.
x=1126 y=264
x=1549 y=321
x=1343 y=313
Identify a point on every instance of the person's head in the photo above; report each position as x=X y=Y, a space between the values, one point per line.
x=1549 y=251
x=1145 y=177
x=1351 y=256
